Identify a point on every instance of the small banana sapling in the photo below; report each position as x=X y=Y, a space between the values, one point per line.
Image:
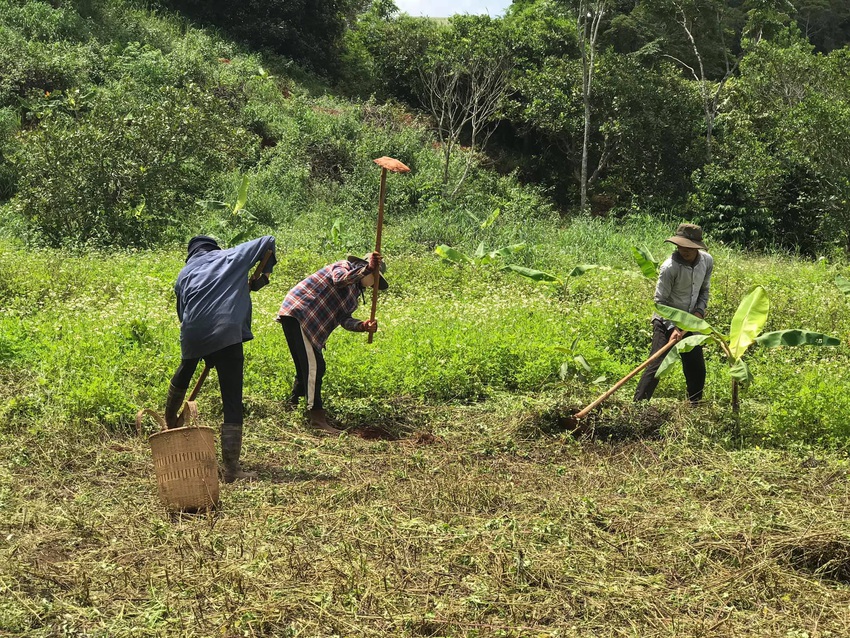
x=239 y=221
x=645 y=261
x=747 y=323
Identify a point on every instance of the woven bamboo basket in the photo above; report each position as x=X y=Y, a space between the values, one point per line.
x=185 y=463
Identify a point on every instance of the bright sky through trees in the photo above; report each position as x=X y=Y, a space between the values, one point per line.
x=445 y=8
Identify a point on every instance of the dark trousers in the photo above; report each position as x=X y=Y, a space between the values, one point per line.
x=693 y=365
x=309 y=363
x=229 y=363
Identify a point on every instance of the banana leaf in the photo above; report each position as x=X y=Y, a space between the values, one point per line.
x=685 y=345
x=492 y=218
x=535 y=275
x=740 y=371
x=796 y=338
x=748 y=321
x=507 y=251
x=450 y=254
x=242 y=195
x=648 y=266
x=684 y=320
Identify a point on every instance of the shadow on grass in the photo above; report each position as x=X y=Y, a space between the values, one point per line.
x=275 y=474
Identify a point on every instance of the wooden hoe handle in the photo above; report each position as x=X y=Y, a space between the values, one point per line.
x=673 y=341
x=258 y=271
x=190 y=402
x=377 y=276
x=394 y=166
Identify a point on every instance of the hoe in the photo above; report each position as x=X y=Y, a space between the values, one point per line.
x=575 y=418
x=394 y=166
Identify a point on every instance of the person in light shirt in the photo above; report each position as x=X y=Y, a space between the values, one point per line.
x=684 y=281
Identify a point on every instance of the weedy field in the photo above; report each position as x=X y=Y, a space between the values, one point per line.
x=466 y=531
x=478 y=514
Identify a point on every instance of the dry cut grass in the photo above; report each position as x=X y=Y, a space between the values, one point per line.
x=472 y=532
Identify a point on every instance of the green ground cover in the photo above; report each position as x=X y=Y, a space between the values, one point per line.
x=486 y=516
x=86 y=340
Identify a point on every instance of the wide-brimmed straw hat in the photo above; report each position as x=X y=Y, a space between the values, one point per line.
x=383 y=285
x=688 y=236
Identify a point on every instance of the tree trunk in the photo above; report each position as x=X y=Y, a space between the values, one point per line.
x=584 y=152
x=588 y=36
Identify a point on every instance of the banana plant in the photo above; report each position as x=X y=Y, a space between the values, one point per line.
x=645 y=261
x=747 y=323
x=481 y=257
x=578 y=366
x=843 y=284
x=240 y=220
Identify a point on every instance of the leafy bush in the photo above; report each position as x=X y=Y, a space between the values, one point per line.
x=780 y=174
x=35 y=67
x=129 y=170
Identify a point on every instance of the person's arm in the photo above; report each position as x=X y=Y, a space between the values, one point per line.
x=247 y=254
x=664 y=285
x=702 y=299
x=355 y=325
x=352 y=324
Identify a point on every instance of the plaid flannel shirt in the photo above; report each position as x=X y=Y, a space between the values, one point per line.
x=325 y=300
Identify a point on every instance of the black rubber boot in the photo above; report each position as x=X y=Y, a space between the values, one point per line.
x=173 y=403
x=231 y=448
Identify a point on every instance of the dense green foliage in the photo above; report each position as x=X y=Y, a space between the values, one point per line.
x=734 y=110
x=308 y=31
x=731 y=112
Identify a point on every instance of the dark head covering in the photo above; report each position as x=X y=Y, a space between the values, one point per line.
x=688 y=236
x=383 y=285
x=200 y=244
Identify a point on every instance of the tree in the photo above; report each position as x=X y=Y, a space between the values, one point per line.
x=824 y=23
x=588 y=19
x=384 y=51
x=463 y=84
x=781 y=173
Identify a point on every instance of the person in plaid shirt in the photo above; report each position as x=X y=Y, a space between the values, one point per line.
x=312 y=310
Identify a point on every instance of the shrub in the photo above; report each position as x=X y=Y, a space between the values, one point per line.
x=127 y=171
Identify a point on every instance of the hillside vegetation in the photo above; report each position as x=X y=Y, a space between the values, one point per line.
x=126 y=128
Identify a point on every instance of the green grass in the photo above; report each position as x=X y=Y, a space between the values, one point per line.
x=486 y=517
x=86 y=340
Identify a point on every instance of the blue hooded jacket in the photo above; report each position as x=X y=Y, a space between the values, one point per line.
x=213 y=298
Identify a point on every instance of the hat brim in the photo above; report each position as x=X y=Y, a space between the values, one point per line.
x=382 y=284
x=684 y=242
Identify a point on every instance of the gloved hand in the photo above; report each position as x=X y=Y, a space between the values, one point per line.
x=368 y=326
x=374 y=261
x=259 y=282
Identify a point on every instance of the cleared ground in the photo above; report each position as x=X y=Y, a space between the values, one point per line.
x=475 y=524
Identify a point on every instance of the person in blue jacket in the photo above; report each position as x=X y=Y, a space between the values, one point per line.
x=214 y=307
